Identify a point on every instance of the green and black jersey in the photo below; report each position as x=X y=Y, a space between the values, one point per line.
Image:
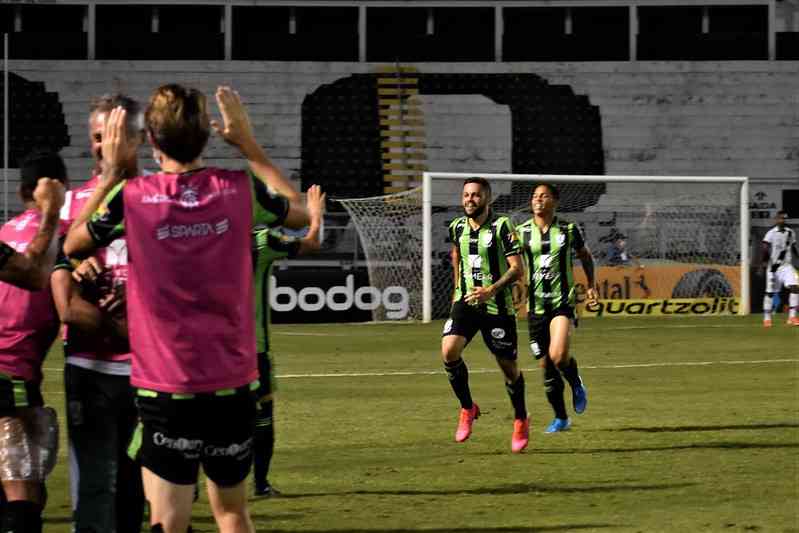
x=482 y=258
x=549 y=257
x=268 y=245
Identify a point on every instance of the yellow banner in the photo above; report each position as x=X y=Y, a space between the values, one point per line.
x=662 y=307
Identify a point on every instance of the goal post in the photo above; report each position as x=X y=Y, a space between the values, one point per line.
x=684 y=241
x=711 y=185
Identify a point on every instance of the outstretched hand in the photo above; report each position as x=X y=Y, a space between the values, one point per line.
x=235 y=129
x=116 y=146
x=315 y=202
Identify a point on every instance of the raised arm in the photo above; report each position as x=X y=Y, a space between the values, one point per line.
x=31 y=268
x=237 y=131
x=315 y=205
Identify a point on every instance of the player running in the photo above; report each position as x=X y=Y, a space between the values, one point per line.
x=28 y=326
x=548 y=244
x=485 y=263
x=270 y=245
x=777 y=247
x=190 y=274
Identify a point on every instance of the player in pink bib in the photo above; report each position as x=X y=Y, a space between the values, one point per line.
x=28 y=326
x=190 y=296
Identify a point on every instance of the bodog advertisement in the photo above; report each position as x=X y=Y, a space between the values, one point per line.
x=662 y=290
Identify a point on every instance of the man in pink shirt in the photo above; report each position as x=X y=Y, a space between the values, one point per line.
x=28 y=326
x=190 y=296
x=106 y=486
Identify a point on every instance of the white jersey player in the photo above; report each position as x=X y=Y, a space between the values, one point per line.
x=778 y=247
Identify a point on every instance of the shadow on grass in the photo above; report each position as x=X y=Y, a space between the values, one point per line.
x=677 y=429
x=517 y=488
x=713 y=446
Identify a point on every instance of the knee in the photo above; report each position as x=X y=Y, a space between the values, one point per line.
x=450 y=353
x=558 y=355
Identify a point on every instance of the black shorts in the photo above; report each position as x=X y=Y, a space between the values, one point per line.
x=538 y=328
x=266 y=376
x=16 y=393
x=499 y=331
x=178 y=435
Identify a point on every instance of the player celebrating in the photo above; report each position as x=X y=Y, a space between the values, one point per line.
x=777 y=247
x=485 y=262
x=548 y=244
x=270 y=245
x=192 y=334
x=28 y=326
x=107 y=492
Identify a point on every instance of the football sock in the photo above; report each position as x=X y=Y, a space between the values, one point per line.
x=570 y=372
x=767 y=299
x=516 y=393
x=458 y=376
x=553 y=385
x=21 y=517
x=264 y=442
x=793 y=303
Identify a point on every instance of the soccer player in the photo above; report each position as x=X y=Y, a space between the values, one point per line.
x=29 y=266
x=548 y=244
x=270 y=245
x=107 y=493
x=190 y=276
x=28 y=326
x=776 y=249
x=485 y=263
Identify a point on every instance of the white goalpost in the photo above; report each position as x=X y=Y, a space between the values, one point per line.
x=687 y=237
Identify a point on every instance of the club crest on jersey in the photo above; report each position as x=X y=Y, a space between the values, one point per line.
x=475 y=261
x=488 y=238
x=189 y=197
x=498 y=333
x=561 y=239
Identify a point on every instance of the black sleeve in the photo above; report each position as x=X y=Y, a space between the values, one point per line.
x=5 y=254
x=268 y=208
x=108 y=223
x=62 y=262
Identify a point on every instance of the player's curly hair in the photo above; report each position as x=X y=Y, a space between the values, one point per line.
x=178 y=122
x=554 y=191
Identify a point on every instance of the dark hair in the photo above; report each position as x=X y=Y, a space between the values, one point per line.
x=484 y=183
x=40 y=163
x=107 y=102
x=552 y=189
x=782 y=212
x=178 y=122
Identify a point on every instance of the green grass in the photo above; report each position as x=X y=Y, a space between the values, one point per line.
x=692 y=425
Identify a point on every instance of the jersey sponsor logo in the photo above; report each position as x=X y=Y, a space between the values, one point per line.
x=236 y=450
x=542 y=274
x=116 y=254
x=482 y=276
x=188 y=197
x=394 y=299
x=666 y=306
x=188 y=447
x=498 y=333
x=80 y=195
x=189 y=231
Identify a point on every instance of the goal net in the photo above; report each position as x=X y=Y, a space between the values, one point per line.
x=657 y=241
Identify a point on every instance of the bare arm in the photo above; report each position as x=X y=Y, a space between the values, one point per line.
x=31 y=269
x=588 y=267
x=453 y=257
x=72 y=309
x=237 y=131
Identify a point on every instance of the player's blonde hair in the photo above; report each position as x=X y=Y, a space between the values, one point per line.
x=178 y=123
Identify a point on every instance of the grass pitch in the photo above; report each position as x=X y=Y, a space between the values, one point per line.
x=692 y=425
